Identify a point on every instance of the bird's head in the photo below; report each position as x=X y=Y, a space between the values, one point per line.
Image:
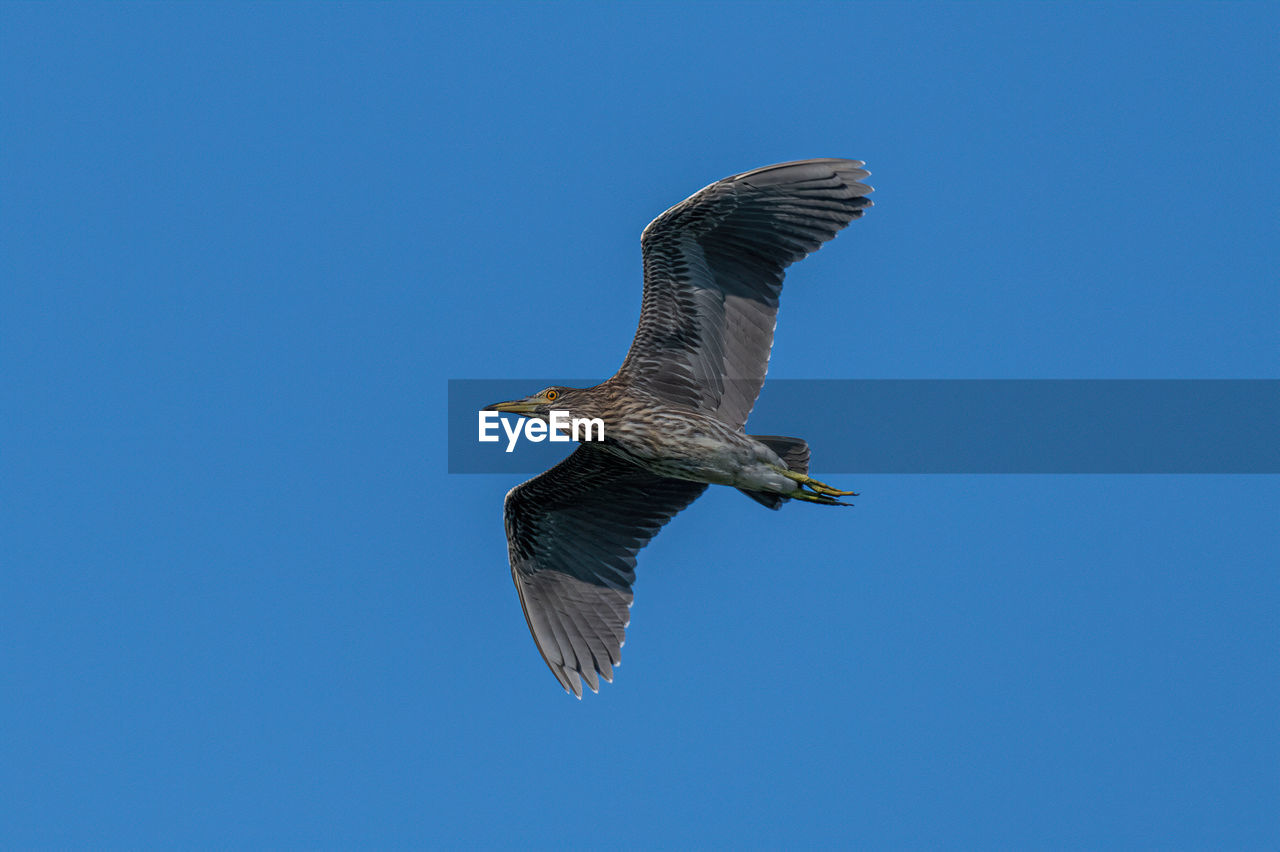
x=541 y=404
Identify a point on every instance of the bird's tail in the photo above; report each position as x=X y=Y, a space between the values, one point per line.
x=794 y=453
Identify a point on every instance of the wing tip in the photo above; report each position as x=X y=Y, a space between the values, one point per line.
x=849 y=169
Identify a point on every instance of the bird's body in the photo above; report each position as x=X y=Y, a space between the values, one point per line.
x=674 y=441
x=674 y=414
x=699 y=448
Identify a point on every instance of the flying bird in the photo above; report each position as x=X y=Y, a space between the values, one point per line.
x=674 y=413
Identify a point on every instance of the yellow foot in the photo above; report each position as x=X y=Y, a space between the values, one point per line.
x=823 y=488
x=814 y=485
x=821 y=499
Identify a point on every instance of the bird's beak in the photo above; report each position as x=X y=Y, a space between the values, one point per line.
x=515 y=406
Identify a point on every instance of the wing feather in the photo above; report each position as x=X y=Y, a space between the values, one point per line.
x=573 y=533
x=713 y=267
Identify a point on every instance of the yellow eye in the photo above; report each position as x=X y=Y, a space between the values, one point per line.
x=551 y=395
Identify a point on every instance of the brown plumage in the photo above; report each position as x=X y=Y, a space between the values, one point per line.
x=674 y=413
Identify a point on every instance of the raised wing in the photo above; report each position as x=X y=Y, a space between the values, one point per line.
x=713 y=268
x=572 y=534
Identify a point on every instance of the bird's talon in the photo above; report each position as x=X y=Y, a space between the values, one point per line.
x=814 y=485
x=820 y=499
x=823 y=488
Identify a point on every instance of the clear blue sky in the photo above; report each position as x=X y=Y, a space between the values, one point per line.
x=244 y=247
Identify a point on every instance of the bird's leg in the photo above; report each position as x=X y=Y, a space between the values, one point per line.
x=823 y=488
x=821 y=499
x=814 y=485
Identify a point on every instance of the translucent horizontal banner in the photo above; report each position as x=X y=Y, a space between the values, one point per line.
x=955 y=426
